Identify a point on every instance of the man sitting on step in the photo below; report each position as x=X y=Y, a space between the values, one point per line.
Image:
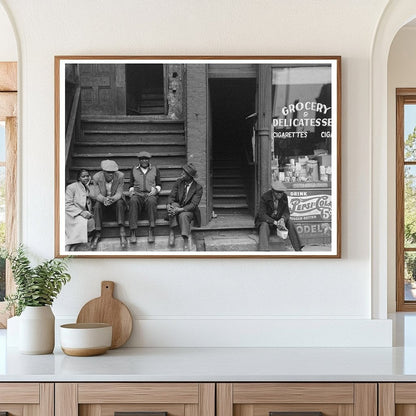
x=183 y=204
x=274 y=213
x=107 y=191
x=144 y=188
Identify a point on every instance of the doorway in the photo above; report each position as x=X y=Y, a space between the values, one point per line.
x=232 y=163
x=145 y=93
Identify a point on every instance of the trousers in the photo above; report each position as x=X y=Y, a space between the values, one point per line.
x=117 y=209
x=138 y=203
x=264 y=234
x=183 y=220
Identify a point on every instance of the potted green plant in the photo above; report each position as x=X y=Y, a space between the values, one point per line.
x=36 y=289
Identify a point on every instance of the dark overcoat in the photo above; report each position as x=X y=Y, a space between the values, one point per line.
x=192 y=200
x=266 y=209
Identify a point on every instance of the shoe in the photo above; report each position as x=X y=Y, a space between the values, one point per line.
x=123 y=241
x=185 y=244
x=133 y=239
x=171 y=238
x=151 y=238
x=95 y=241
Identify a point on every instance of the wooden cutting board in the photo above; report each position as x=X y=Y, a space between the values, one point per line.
x=107 y=309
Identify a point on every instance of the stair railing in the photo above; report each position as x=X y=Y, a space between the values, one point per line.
x=72 y=128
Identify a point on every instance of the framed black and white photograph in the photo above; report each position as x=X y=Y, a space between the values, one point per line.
x=198 y=156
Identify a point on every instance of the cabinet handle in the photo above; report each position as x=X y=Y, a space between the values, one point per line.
x=138 y=414
x=295 y=413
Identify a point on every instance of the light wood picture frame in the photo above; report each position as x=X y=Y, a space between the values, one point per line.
x=208 y=156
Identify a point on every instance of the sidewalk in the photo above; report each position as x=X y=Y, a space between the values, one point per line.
x=219 y=242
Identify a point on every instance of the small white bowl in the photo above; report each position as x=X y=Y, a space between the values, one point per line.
x=83 y=340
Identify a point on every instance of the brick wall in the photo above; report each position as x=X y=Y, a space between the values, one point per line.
x=197 y=127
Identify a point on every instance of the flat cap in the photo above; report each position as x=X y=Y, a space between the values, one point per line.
x=144 y=155
x=109 y=165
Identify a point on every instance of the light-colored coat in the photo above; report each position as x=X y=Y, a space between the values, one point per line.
x=99 y=190
x=77 y=227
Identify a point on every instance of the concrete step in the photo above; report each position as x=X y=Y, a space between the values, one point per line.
x=167 y=172
x=228 y=222
x=151 y=109
x=226 y=171
x=132 y=147
x=230 y=190
x=111 y=228
x=144 y=124
x=226 y=204
x=107 y=244
x=212 y=243
x=230 y=201
x=236 y=210
x=231 y=243
x=227 y=187
x=152 y=101
x=229 y=181
x=219 y=162
x=167 y=183
x=129 y=135
x=128 y=159
x=152 y=95
x=247 y=242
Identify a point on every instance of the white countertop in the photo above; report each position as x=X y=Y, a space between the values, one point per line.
x=222 y=364
x=215 y=364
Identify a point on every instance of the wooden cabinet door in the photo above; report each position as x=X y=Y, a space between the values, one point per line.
x=297 y=399
x=106 y=399
x=397 y=399
x=26 y=399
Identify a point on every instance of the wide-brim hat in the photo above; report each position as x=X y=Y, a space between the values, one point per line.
x=144 y=155
x=279 y=186
x=109 y=165
x=189 y=168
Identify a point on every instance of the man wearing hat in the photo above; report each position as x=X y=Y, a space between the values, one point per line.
x=274 y=212
x=108 y=195
x=145 y=185
x=183 y=204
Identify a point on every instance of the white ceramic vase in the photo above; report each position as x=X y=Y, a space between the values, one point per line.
x=37 y=330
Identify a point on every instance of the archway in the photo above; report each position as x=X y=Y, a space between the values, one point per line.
x=396 y=15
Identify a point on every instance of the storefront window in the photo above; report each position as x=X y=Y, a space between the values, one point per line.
x=302 y=147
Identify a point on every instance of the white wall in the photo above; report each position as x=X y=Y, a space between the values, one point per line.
x=8 y=46
x=401 y=74
x=208 y=301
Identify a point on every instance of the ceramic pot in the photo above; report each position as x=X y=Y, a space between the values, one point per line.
x=37 y=330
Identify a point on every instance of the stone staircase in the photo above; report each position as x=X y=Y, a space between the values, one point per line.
x=229 y=188
x=152 y=102
x=120 y=138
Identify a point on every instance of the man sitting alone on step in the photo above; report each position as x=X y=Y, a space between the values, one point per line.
x=183 y=204
x=145 y=187
x=274 y=213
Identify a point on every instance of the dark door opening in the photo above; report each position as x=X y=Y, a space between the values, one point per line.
x=145 y=89
x=232 y=167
